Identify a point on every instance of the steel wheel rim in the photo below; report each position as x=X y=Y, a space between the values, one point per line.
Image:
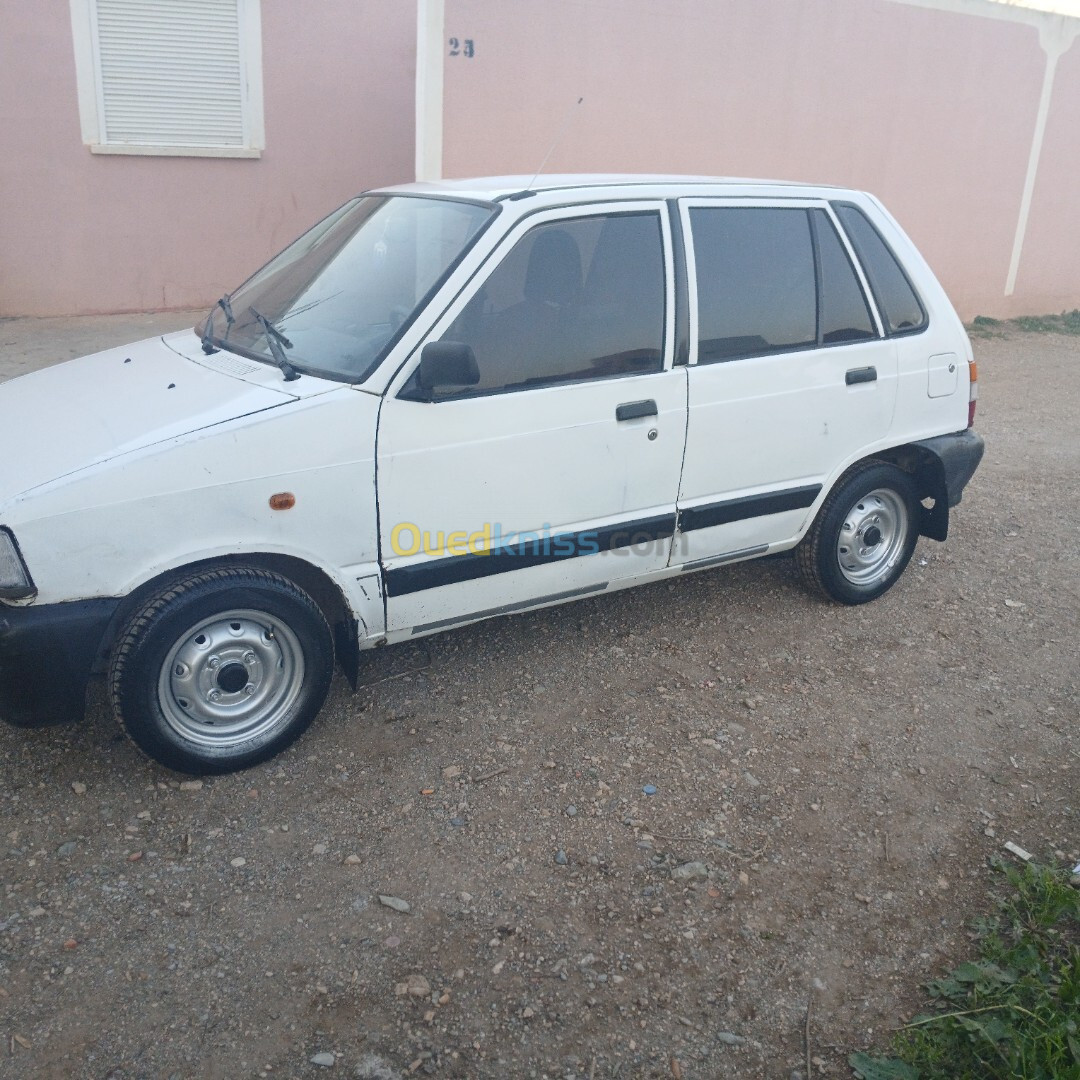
x=872 y=537
x=230 y=678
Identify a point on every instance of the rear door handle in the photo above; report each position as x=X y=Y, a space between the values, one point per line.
x=633 y=409
x=861 y=374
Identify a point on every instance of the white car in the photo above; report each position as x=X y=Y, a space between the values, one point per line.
x=451 y=401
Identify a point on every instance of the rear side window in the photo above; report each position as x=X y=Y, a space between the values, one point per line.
x=899 y=305
x=755 y=277
x=845 y=315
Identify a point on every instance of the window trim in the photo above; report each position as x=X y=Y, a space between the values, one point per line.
x=91 y=106
x=886 y=330
x=496 y=257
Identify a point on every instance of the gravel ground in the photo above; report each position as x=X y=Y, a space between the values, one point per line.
x=678 y=831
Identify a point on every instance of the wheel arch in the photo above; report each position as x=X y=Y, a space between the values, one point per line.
x=323 y=590
x=927 y=473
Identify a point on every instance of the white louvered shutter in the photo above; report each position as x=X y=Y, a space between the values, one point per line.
x=170 y=72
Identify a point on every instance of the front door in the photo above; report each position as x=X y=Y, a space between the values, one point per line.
x=556 y=474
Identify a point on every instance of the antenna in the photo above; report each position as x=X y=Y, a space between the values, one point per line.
x=558 y=139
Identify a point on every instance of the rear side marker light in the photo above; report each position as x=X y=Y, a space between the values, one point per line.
x=973 y=392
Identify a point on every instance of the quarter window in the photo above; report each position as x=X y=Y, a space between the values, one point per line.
x=573 y=300
x=755 y=279
x=900 y=307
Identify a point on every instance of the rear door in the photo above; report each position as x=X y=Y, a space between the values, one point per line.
x=555 y=475
x=790 y=373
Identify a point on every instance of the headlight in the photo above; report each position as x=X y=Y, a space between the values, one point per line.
x=15 y=582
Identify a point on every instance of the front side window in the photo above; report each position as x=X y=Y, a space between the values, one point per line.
x=337 y=298
x=575 y=299
x=755 y=281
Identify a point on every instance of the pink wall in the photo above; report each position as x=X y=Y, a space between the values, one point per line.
x=931 y=110
x=84 y=233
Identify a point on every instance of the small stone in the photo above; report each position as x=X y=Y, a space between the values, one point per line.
x=71 y=943
x=395 y=903
x=135 y=856
x=319 y=849
x=498 y=967
x=751 y=779
x=527 y=1013
x=730 y=1038
x=571 y=810
x=649 y=789
x=78 y=787
x=466 y=898
x=457 y=822
x=451 y=772
x=418 y=986
x=191 y=785
x=238 y=861
x=352 y=860
x=326 y=1060
x=36 y=912
x=66 y=849
x=689 y=871
x=560 y=858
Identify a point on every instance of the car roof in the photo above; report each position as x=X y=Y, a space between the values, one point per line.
x=586 y=187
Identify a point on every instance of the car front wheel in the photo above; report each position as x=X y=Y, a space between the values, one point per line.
x=222 y=670
x=864 y=534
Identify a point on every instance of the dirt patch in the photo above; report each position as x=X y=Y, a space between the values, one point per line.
x=638 y=835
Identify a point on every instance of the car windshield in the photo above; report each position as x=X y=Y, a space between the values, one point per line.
x=336 y=300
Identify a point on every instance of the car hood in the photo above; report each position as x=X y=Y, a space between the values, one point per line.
x=71 y=416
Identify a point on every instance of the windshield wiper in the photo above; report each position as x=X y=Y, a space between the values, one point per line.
x=207 y=338
x=276 y=339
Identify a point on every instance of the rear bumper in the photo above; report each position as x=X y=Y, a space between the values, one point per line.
x=959 y=455
x=46 y=655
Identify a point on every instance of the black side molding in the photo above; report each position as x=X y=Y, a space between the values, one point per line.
x=861 y=374
x=522 y=552
x=751 y=506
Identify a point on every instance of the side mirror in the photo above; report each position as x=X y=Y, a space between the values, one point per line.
x=446 y=363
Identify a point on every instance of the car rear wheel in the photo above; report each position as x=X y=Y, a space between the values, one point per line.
x=864 y=534
x=222 y=670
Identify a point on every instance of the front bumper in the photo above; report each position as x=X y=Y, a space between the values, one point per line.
x=46 y=655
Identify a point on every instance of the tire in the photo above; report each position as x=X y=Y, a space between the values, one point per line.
x=874 y=502
x=222 y=670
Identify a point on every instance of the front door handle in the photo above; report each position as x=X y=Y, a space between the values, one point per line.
x=633 y=409
x=861 y=374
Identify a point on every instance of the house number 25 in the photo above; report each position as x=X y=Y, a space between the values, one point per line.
x=464 y=48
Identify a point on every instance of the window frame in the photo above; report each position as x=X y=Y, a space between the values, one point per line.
x=91 y=100
x=495 y=258
x=794 y=203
